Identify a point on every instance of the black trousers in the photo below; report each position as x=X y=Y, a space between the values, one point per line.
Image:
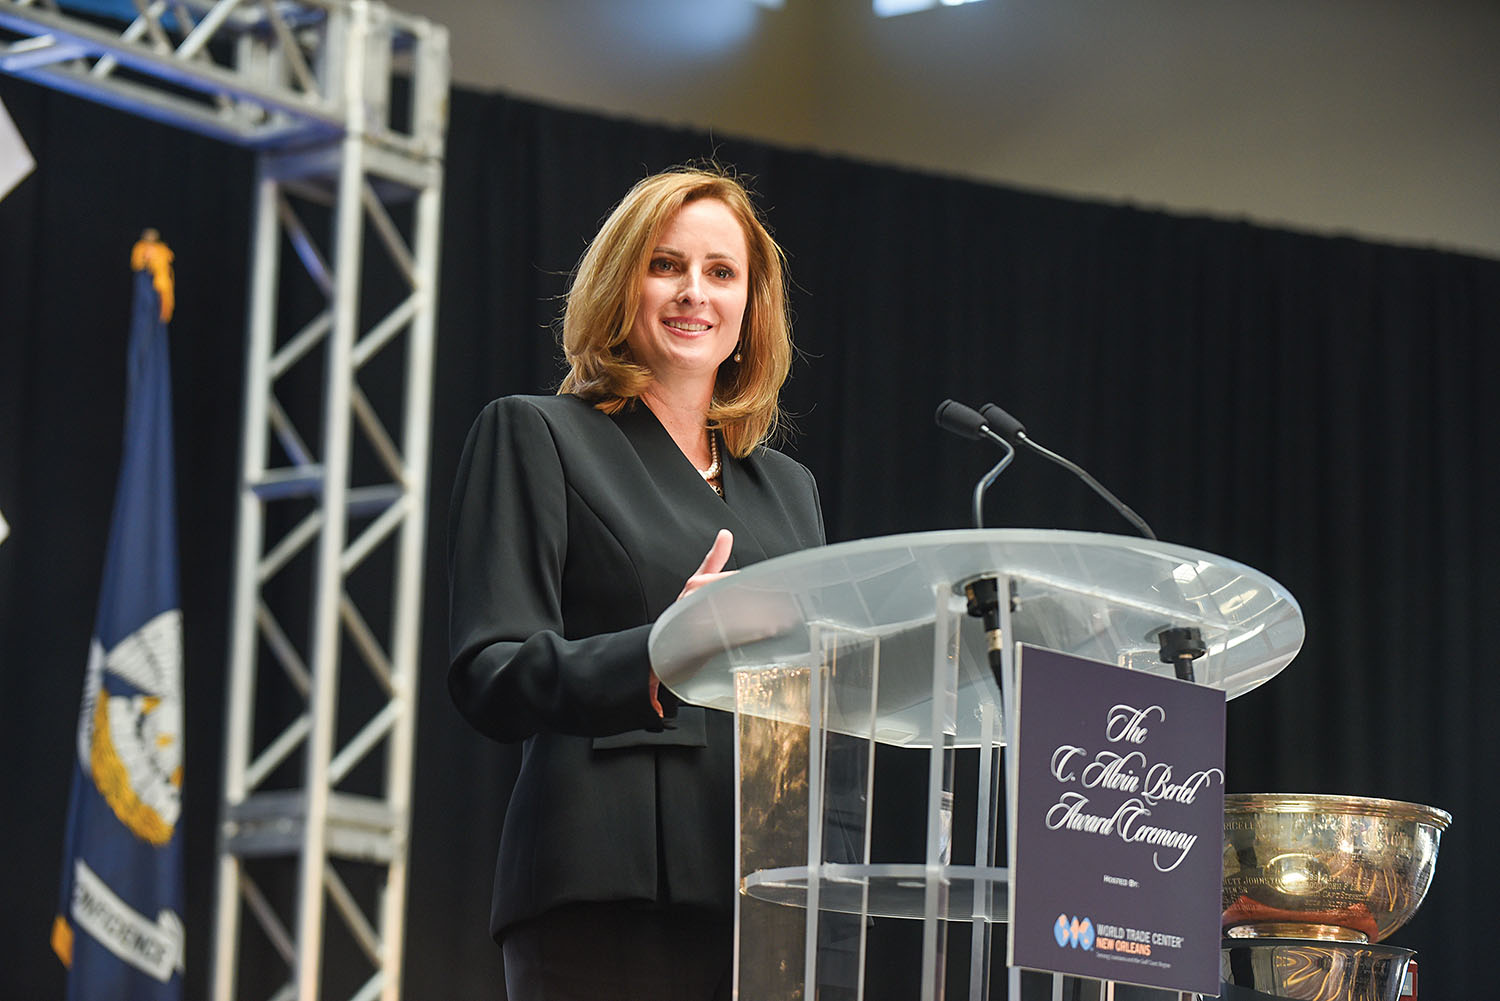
x=619 y=952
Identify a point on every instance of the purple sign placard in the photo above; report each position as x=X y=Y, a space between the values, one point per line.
x=1117 y=862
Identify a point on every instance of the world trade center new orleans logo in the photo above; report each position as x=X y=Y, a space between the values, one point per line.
x=1076 y=932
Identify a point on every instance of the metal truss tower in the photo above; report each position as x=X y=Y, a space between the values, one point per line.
x=346 y=103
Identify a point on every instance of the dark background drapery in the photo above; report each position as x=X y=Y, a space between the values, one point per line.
x=1319 y=408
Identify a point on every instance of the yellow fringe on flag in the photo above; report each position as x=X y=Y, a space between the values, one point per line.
x=151 y=253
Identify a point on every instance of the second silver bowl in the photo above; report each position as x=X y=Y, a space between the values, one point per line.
x=1315 y=971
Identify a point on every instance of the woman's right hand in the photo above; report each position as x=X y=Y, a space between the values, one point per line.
x=712 y=567
x=710 y=570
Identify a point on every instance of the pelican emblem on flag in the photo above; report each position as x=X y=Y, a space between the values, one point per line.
x=132 y=740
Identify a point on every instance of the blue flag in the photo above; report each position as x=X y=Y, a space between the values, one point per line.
x=119 y=927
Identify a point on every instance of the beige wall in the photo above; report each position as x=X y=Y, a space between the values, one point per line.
x=1375 y=117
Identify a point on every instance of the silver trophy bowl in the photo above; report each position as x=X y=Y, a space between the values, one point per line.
x=1333 y=868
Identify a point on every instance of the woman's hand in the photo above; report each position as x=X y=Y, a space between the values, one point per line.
x=710 y=570
x=712 y=567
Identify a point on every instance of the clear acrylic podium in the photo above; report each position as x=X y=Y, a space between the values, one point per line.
x=825 y=653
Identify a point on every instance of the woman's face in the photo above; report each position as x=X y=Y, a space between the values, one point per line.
x=693 y=294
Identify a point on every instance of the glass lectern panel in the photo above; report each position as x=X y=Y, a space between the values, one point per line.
x=823 y=654
x=1104 y=597
x=800 y=811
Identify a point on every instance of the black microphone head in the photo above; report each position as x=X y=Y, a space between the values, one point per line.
x=1001 y=422
x=963 y=421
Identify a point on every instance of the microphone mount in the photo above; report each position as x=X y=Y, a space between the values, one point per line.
x=1180 y=646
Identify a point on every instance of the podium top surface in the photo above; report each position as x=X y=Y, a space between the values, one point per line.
x=1105 y=597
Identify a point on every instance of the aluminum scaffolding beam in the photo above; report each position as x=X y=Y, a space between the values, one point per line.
x=346 y=103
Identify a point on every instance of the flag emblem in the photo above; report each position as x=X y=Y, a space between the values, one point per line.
x=135 y=740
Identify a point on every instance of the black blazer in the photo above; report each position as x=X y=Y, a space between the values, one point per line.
x=570 y=531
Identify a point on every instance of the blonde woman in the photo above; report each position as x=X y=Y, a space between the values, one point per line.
x=576 y=520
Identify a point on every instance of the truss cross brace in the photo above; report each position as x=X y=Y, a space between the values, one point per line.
x=322 y=788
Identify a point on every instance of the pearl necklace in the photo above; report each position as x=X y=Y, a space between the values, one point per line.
x=713 y=467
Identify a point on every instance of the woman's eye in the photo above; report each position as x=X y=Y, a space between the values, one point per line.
x=723 y=274
x=663 y=264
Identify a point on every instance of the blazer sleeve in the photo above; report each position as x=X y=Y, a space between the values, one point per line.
x=513 y=672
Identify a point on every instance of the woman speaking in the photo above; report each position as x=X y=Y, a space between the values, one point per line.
x=576 y=520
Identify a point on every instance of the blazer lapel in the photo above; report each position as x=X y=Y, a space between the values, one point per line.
x=755 y=505
x=752 y=516
x=740 y=510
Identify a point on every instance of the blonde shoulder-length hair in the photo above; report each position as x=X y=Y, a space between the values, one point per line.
x=605 y=293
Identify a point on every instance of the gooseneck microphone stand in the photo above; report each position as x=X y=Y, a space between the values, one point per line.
x=983 y=593
x=966 y=422
x=1012 y=430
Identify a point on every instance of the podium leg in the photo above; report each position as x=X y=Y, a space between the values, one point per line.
x=948 y=611
x=816 y=811
x=984 y=853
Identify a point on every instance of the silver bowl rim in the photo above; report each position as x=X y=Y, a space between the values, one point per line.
x=1361 y=806
x=1393 y=951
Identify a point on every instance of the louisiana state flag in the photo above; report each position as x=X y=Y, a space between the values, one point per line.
x=119 y=927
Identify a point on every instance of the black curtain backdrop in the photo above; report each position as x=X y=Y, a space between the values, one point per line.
x=1320 y=408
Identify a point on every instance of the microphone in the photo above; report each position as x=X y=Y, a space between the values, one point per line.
x=966 y=422
x=997 y=420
